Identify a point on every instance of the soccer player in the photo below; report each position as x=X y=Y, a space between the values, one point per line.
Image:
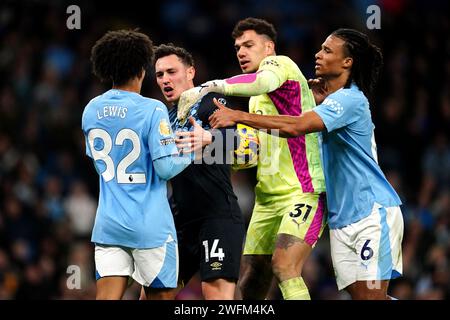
x=209 y=222
x=366 y=224
x=133 y=148
x=289 y=213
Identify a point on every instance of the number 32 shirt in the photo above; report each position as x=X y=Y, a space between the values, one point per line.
x=124 y=133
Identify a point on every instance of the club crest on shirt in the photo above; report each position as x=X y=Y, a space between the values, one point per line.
x=164 y=128
x=222 y=101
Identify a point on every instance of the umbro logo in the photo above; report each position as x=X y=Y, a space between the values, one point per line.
x=216 y=266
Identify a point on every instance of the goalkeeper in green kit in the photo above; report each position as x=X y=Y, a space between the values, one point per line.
x=290 y=211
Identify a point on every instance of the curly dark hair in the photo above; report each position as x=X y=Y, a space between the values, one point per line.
x=260 y=26
x=121 y=55
x=164 y=50
x=367 y=59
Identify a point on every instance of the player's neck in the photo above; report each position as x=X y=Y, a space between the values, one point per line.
x=334 y=84
x=133 y=85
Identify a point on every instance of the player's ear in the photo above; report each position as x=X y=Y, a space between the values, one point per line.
x=348 y=63
x=141 y=75
x=270 y=47
x=190 y=73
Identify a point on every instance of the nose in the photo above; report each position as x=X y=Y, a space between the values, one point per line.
x=165 y=79
x=241 y=53
x=318 y=55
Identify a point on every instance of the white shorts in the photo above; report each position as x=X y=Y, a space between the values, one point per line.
x=370 y=249
x=155 y=268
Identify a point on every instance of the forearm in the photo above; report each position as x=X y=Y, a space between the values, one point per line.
x=253 y=84
x=284 y=126
x=168 y=167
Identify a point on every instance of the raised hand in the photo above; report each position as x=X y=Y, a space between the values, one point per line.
x=223 y=116
x=193 y=141
x=319 y=89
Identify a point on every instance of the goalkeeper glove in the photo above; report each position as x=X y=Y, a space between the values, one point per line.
x=190 y=97
x=187 y=99
x=213 y=86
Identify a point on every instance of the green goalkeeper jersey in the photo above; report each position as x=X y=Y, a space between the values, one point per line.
x=285 y=165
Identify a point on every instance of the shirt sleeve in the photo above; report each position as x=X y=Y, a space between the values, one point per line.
x=161 y=138
x=271 y=74
x=169 y=166
x=338 y=110
x=85 y=133
x=277 y=66
x=252 y=84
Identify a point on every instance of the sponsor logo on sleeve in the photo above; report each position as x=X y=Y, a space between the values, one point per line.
x=270 y=62
x=166 y=141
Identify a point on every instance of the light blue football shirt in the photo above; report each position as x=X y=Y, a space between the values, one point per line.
x=353 y=178
x=124 y=133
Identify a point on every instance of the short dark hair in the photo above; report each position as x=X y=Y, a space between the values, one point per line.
x=260 y=26
x=367 y=59
x=164 y=50
x=121 y=55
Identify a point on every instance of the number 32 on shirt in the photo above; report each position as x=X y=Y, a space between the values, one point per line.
x=104 y=155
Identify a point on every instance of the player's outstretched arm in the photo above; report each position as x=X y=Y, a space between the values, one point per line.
x=286 y=126
x=169 y=166
x=244 y=85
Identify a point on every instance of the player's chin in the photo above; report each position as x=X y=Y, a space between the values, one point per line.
x=172 y=97
x=247 y=69
x=319 y=72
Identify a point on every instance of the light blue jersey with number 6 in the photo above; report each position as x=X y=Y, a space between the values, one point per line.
x=124 y=133
x=353 y=178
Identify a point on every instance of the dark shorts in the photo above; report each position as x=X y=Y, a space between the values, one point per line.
x=213 y=246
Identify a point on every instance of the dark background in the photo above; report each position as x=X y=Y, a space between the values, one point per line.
x=48 y=187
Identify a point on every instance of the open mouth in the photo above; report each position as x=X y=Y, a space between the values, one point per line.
x=168 y=89
x=244 y=63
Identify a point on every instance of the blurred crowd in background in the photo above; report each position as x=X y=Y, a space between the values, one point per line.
x=49 y=188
